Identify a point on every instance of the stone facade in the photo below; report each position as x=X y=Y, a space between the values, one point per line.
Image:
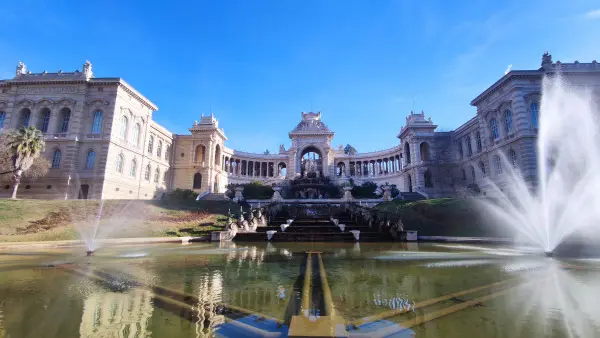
x=103 y=143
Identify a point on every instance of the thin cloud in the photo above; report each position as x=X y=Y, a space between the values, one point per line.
x=592 y=15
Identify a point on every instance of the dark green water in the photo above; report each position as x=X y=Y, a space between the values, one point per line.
x=206 y=290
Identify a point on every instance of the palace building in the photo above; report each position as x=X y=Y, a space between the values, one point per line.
x=102 y=141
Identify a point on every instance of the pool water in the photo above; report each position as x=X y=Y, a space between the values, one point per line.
x=352 y=289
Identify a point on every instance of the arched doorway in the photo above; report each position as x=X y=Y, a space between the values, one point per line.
x=197 y=181
x=409 y=183
x=216 y=185
x=311 y=163
x=83 y=192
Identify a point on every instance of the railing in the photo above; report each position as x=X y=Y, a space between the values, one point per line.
x=202 y=195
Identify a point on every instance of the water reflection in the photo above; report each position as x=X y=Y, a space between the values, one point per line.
x=107 y=314
x=232 y=288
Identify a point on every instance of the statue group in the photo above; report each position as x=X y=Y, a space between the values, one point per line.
x=246 y=221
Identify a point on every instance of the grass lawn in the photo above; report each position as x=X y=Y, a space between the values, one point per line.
x=443 y=217
x=44 y=220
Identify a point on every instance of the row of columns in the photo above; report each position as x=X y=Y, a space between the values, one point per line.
x=246 y=168
x=370 y=168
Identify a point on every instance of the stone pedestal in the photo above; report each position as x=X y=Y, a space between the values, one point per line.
x=238 y=197
x=347 y=194
x=277 y=194
x=411 y=236
x=387 y=192
x=221 y=236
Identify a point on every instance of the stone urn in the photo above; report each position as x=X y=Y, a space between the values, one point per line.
x=347 y=193
x=387 y=192
x=238 y=197
x=276 y=194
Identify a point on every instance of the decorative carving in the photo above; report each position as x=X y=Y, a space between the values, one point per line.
x=87 y=70
x=47 y=90
x=21 y=69
x=97 y=102
x=25 y=103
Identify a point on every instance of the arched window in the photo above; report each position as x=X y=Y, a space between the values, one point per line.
x=200 y=153
x=217 y=155
x=494 y=129
x=44 y=120
x=97 y=122
x=159 y=148
x=340 y=168
x=25 y=118
x=2 y=118
x=65 y=114
x=512 y=157
x=150 y=144
x=508 y=121
x=135 y=136
x=123 y=131
x=133 y=168
x=482 y=168
x=469 y=147
x=156 y=175
x=197 y=181
x=56 y=159
x=91 y=158
x=428 y=179
x=464 y=174
x=498 y=164
x=119 y=163
x=478 y=140
x=167 y=152
x=473 y=177
x=535 y=109
x=165 y=176
x=147 y=173
x=407 y=152
x=424 y=149
x=460 y=148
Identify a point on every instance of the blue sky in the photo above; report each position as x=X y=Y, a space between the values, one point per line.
x=258 y=64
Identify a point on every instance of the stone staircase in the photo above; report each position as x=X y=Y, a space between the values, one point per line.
x=411 y=196
x=314 y=229
x=214 y=197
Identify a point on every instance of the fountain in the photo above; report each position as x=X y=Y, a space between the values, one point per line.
x=90 y=232
x=565 y=199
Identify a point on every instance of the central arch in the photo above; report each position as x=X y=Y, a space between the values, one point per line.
x=310 y=156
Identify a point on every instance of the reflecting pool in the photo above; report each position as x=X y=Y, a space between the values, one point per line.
x=295 y=289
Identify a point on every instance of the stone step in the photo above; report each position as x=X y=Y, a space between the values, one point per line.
x=312 y=237
x=411 y=196
x=215 y=197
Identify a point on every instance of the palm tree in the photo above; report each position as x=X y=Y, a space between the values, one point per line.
x=27 y=144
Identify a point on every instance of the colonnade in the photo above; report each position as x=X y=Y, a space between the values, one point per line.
x=252 y=168
x=370 y=167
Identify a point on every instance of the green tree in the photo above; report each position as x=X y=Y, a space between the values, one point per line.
x=24 y=147
x=350 y=150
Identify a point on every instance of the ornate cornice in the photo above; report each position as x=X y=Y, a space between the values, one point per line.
x=515 y=74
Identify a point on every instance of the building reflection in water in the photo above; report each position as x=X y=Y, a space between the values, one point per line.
x=114 y=314
x=208 y=317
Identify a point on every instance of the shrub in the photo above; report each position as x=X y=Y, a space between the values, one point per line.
x=252 y=190
x=182 y=194
x=366 y=190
